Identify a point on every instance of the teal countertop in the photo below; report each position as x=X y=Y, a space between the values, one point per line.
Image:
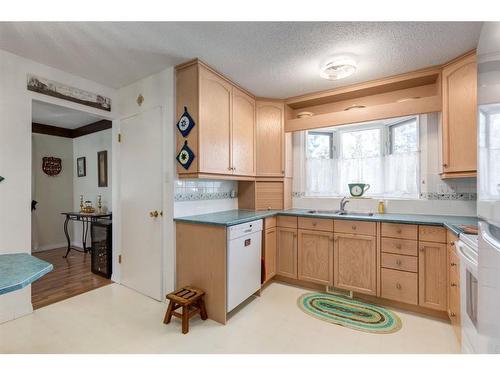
x=20 y=270
x=233 y=217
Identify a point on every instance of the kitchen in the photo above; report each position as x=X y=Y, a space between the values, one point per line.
x=307 y=197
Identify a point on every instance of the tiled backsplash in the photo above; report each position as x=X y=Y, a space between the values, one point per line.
x=196 y=190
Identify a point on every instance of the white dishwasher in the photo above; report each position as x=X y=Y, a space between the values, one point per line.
x=243 y=261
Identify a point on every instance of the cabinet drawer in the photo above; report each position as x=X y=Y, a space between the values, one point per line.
x=316 y=224
x=400 y=262
x=399 y=286
x=287 y=221
x=406 y=231
x=431 y=233
x=368 y=228
x=269 y=222
x=396 y=246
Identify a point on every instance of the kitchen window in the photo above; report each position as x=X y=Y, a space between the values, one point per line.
x=384 y=155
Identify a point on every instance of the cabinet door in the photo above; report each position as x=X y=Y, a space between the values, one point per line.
x=315 y=256
x=270 y=244
x=287 y=252
x=432 y=275
x=459 y=117
x=243 y=134
x=355 y=263
x=270 y=139
x=215 y=123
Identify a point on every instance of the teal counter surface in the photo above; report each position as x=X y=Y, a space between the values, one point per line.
x=20 y=270
x=233 y=217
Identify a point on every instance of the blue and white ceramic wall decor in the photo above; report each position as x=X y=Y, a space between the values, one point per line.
x=186 y=123
x=185 y=156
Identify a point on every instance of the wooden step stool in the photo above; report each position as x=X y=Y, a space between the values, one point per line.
x=191 y=301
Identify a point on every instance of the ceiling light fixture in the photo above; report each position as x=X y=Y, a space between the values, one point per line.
x=338 y=68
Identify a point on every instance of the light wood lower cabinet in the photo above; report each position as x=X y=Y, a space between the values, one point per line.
x=287 y=252
x=399 y=286
x=270 y=245
x=432 y=275
x=454 y=286
x=355 y=260
x=315 y=256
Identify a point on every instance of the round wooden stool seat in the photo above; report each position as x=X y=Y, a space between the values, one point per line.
x=191 y=301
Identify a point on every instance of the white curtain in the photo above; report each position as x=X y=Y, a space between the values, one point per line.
x=321 y=177
x=362 y=170
x=401 y=174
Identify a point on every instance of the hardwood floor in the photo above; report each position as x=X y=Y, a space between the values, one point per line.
x=71 y=276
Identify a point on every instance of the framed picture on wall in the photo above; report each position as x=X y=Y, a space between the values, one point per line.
x=102 y=168
x=81 y=167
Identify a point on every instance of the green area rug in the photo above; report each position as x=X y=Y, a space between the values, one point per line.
x=349 y=313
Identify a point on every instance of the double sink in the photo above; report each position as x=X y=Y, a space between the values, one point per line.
x=339 y=212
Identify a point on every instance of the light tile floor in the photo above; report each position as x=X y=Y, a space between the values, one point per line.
x=115 y=319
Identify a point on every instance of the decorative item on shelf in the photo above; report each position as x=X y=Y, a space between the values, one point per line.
x=51 y=166
x=304 y=114
x=87 y=208
x=99 y=204
x=81 y=203
x=140 y=100
x=185 y=156
x=81 y=167
x=59 y=90
x=186 y=123
x=358 y=189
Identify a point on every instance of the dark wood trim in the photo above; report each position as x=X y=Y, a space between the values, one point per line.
x=92 y=128
x=71 y=133
x=51 y=130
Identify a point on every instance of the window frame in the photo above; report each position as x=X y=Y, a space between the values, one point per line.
x=330 y=134
x=391 y=127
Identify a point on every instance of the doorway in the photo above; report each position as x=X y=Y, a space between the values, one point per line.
x=71 y=173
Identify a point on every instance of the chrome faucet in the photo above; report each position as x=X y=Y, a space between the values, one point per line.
x=343 y=202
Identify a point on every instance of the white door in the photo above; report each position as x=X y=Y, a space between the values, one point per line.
x=140 y=197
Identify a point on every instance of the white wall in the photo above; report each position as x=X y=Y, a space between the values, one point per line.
x=53 y=194
x=88 y=146
x=158 y=91
x=430 y=181
x=15 y=157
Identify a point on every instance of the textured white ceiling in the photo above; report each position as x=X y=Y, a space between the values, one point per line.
x=51 y=114
x=273 y=59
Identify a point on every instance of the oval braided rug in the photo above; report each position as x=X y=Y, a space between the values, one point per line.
x=349 y=313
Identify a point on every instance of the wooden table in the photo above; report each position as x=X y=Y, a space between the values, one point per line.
x=86 y=220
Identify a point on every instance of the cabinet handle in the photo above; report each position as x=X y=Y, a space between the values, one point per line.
x=445 y=165
x=354 y=227
x=314 y=224
x=453 y=264
x=399 y=230
x=398 y=262
x=453 y=284
x=229 y=168
x=398 y=246
x=452 y=314
x=398 y=286
x=452 y=243
x=422 y=249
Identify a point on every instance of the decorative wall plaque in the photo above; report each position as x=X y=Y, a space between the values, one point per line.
x=51 y=166
x=186 y=123
x=185 y=156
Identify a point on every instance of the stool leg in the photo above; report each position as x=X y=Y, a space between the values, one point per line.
x=203 y=310
x=168 y=314
x=185 y=319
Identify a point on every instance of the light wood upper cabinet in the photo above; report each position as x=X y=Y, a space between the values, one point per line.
x=315 y=256
x=287 y=252
x=243 y=135
x=223 y=138
x=355 y=263
x=270 y=245
x=459 y=147
x=215 y=120
x=270 y=140
x=432 y=275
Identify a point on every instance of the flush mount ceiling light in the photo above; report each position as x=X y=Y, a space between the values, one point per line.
x=338 y=68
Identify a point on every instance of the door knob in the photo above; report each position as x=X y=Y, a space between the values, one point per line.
x=154 y=213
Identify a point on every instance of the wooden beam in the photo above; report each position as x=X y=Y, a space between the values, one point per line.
x=71 y=133
x=51 y=130
x=92 y=128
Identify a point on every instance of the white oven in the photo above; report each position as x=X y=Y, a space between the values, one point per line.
x=467 y=250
